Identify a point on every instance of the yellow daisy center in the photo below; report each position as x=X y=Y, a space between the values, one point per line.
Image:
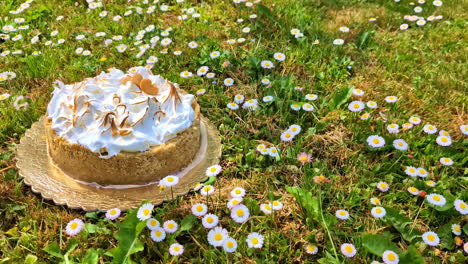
x=349 y=249
x=436 y=198
x=199 y=208
x=230 y=244
x=254 y=240
x=375 y=141
x=209 y=220
x=463 y=206
x=113 y=212
x=342 y=213
x=391 y=257
x=378 y=210
x=176 y=248
x=240 y=213
x=218 y=237
x=238 y=191
x=74 y=225
x=444 y=139
x=158 y=233
x=146 y=211
x=431 y=237
x=170 y=225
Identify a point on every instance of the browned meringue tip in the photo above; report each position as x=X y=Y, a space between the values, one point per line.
x=146 y=85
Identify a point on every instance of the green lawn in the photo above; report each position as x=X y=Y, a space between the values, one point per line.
x=424 y=67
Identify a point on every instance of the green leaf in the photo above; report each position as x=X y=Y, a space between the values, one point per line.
x=403 y=224
x=378 y=243
x=445 y=234
x=411 y=256
x=365 y=39
x=30 y=259
x=306 y=201
x=340 y=97
x=187 y=222
x=128 y=238
x=465 y=229
x=267 y=12
x=92 y=256
x=54 y=250
x=210 y=180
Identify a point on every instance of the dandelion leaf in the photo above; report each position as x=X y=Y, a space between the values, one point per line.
x=403 y=224
x=378 y=243
x=340 y=97
x=411 y=256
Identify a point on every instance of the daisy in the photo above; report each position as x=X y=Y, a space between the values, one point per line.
x=311 y=249
x=311 y=97
x=456 y=229
x=170 y=226
x=342 y=214
x=169 y=181
x=444 y=133
x=415 y=120
x=279 y=56
x=464 y=129
x=390 y=257
x=295 y=129
x=376 y=141
x=267 y=99
x=338 y=42
x=230 y=245
x=375 y=201
x=461 y=207
x=198 y=186
x=403 y=26
x=277 y=205
x=266 y=64
x=356 y=106
x=430 y=129
x=113 y=213
x=418 y=9
x=265 y=151
x=393 y=128
x=348 y=250
x=152 y=223
x=250 y=103
x=287 y=135
x=217 y=236
x=238 y=192
x=358 y=92
x=266 y=208
x=228 y=81
x=152 y=59
x=186 y=74
x=210 y=75
x=254 y=240
x=295 y=31
x=273 y=152
x=421 y=22
x=233 y=106
x=209 y=221
x=446 y=161
x=74 y=227
x=246 y=30
x=436 y=199
x=265 y=81
x=344 y=29
x=365 y=116
x=199 y=209
x=239 y=98
x=193 y=44
x=158 y=234
x=233 y=202
x=465 y=247
x=430 y=183
x=144 y=212
x=444 y=141
x=304 y=158
x=307 y=107
x=422 y=172
x=400 y=144
x=437 y=3
x=431 y=238
x=407 y=126
x=378 y=212
x=240 y=213
x=121 y=48
x=382 y=186
x=391 y=99
x=166 y=41
x=207 y=190
x=176 y=249
x=413 y=190
x=202 y=70
x=213 y=170
x=295 y=107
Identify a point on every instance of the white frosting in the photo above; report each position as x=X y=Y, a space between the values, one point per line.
x=83 y=112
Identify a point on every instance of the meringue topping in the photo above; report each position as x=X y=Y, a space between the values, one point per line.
x=116 y=111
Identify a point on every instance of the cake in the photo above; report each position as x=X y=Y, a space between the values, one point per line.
x=122 y=128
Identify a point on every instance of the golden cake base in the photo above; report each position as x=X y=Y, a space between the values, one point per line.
x=35 y=166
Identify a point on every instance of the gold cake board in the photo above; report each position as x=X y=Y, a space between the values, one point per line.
x=36 y=168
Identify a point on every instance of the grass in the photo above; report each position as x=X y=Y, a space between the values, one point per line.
x=423 y=66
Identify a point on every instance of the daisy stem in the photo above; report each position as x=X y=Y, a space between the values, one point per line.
x=172 y=194
x=325 y=224
x=417 y=214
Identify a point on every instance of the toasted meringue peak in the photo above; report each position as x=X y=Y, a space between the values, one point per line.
x=120 y=111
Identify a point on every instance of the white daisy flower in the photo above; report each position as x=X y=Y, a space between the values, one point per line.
x=430 y=183
x=378 y=212
x=279 y=56
x=338 y=42
x=266 y=64
x=113 y=213
x=273 y=152
x=413 y=191
x=365 y=116
x=233 y=202
x=375 y=201
x=166 y=41
x=238 y=192
x=228 y=81
x=446 y=161
x=382 y=186
x=207 y=190
x=287 y=135
x=348 y=250
x=403 y=26
x=152 y=224
x=268 y=98
x=342 y=214
x=296 y=107
x=239 y=98
x=277 y=205
x=461 y=207
x=444 y=133
x=444 y=141
x=266 y=208
x=400 y=144
x=358 y=92
x=176 y=249
x=422 y=172
x=311 y=97
x=193 y=44
x=169 y=181
x=233 y=106
x=158 y=234
x=376 y=141
x=74 y=227
x=202 y=70
x=246 y=30
x=421 y=22
x=210 y=75
x=121 y=48
x=311 y=249
x=393 y=128
x=391 y=99
x=356 y=106
x=295 y=129
x=213 y=170
x=240 y=213
x=407 y=126
x=464 y=129
x=431 y=238
x=254 y=240
x=307 y=107
x=456 y=229
x=199 y=209
x=390 y=257
x=437 y=3
x=230 y=245
x=144 y=212
x=198 y=186
x=436 y=199
x=170 y=226
x=217 y=236
x=344 y=29
x=209 y=221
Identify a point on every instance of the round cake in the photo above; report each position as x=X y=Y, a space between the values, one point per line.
x=122 y=128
